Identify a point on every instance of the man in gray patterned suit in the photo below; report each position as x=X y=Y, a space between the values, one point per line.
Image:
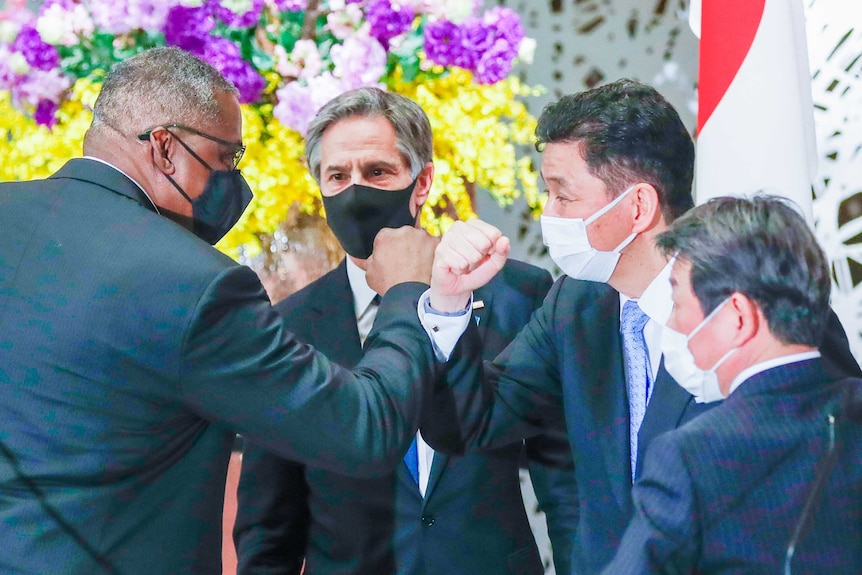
x=726 y=491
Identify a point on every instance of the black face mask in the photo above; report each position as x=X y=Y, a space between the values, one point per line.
x=225 y=197
x=356 y=214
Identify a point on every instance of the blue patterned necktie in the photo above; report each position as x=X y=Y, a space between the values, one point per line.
x=637 y=370
x=411 y=458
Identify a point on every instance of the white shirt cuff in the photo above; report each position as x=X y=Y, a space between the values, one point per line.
x=443 y=329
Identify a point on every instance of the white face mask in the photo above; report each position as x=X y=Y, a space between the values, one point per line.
x=679 y=363
x=570 y=248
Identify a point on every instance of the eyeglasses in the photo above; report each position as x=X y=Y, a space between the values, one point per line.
x=238 y=149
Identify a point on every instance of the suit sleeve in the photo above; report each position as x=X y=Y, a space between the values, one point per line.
x=552 y=473
x=501 y=402
x=241 y=367
x=838 y=360
x=663 y=536
x=272 y=521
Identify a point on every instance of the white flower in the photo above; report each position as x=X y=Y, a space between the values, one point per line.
x=238 y=7
x=343 y=23
x=527 y=50
x=18 y=63
x=453 y=10
x=305 y=54
x=61 y=27
x=8 y=31
x=191 y=3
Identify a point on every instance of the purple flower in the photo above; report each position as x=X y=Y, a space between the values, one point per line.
x=188 y=28
x=496 y=63
x=66 y=5
x=295 y=108
x=506 y=24
x=476 y=39
x=245 y=20
x=388 y=21
x=46 y=113
x=225 y=57
x=360 y=61
x=290 y=5
x=38 y=54
x=120 y=17
x=443 y=43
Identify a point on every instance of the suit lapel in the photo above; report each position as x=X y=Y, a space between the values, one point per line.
x=438 y=466
x=609 y=396
x=482 y=316
x=334 y=319
x=664 y=412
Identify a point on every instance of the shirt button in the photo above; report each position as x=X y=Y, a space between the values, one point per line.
x=428 y=520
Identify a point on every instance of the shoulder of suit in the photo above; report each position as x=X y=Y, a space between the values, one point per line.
x=301 y=297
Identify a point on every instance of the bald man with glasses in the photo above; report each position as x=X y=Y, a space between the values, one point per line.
x=131 y=351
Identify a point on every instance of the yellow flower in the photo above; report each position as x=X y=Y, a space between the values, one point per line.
x=478 y=130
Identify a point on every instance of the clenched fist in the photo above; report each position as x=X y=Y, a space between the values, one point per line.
x=400 y=255
x=469 y=255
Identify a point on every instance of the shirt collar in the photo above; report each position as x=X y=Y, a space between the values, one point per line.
x=110 y=165
x=753 y=370
x=362 y=294
x=657 y=299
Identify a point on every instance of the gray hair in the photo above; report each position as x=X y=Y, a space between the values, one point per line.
x=159 y=86
x=412 y=129
x=762 y=248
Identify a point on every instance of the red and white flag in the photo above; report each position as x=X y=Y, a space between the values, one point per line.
x=755 y=122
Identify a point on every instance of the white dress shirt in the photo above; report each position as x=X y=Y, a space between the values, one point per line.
x=656 y=302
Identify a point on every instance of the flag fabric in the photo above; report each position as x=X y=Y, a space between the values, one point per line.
x=755 y=124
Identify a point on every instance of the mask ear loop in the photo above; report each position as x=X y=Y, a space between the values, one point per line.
x=608 y=207
x=703 y=323
x=707 y=318
x=605 y=210
x=195 y=156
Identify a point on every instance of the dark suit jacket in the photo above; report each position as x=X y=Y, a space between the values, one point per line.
x=472 y=519
x=129 y=352
x=567 y=364
x=724 y=493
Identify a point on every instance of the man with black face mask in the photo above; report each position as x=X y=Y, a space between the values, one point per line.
x=371 y=151
x=131 y=350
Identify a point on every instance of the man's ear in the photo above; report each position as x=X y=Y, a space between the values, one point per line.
x=161 y=148
x=422 y=188
x=646 y=207
x=747 y=317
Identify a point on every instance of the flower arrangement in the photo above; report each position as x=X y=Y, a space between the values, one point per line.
x=287 y=58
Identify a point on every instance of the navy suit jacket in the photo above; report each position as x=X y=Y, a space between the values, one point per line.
x=725 y=492
x=567 y=364
x=472 y=518
x=130 y=350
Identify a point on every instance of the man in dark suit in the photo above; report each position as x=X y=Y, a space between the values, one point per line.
x=618 y=163
x=371 y=151
x=725 y=492
x=130 y=349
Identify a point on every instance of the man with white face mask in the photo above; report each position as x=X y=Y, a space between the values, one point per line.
x=726 y=491
x=618 y=164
